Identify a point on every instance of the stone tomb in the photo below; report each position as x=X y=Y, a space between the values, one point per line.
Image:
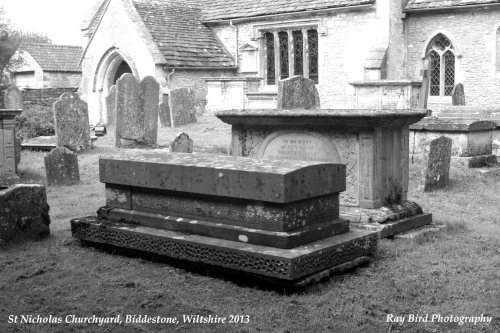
x=372 y=143
x=272 y=218
x=472 y=139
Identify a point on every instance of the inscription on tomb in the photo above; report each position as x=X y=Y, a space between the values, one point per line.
x=299 y=146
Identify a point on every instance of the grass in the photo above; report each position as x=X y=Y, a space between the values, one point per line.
x=455 y=272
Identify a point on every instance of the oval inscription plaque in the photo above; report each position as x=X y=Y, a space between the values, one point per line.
x=305 y=146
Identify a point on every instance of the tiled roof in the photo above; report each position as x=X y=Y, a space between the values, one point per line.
x=230 y=9
x=431 y=4
x=176 y=28
x=55 y=58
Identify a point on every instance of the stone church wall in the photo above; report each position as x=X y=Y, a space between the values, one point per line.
x=473 y=32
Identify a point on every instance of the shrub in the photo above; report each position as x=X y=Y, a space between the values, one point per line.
x=35 y=121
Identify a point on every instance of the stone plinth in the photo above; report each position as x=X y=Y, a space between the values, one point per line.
x=24 y=213
x=386 y=94
x=471 y=139
x=273 y=218
x=226 y=93
x=372 y=143
x=8 y=147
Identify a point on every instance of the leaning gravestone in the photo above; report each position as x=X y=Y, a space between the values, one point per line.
x=13 y=100
x=437 y=164
x=165 y=112
x=111 y=105
x=297 y=92
x=61 y=166
x=182 y=144
x=137 y=105
x=458 y=95
x=182 y=106
x=72 y=122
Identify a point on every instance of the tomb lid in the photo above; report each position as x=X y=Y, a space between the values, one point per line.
x=9 y=113
x=453 y=125
x=386 y=83
x=335 y=118
x=278 y=181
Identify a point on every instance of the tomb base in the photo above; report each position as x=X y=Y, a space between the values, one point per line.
x=474 y=161
x=387 y=220
x=293 y=265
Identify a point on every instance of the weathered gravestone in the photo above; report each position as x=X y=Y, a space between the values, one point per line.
x=111 y=105
x=165 y=112
x=61 y=167
x=137 y=105
x=13 y=101
x=24 y=212
x=297 y=92
x=182 y=144
x=458 y=95
x=437 y=164
x=8 y=147
x=12 y=98
x=72 y=122
x=182 y=106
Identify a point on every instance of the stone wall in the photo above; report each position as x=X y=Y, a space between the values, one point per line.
x=61 y=79
x=43 y=97
x=473 y=34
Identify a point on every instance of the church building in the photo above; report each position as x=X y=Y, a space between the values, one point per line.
x=233 y=52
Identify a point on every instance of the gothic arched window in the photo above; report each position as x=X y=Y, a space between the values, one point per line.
x=441 y=57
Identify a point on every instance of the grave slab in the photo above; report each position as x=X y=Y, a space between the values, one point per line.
x=436 y=173
x=182 y=144
x=8 y=146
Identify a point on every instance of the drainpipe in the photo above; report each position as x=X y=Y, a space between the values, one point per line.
x=168 y=77
x=235 y=42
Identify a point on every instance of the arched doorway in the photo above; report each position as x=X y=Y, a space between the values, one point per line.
x=112 y=66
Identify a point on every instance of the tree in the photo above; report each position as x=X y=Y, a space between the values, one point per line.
x=10 y=39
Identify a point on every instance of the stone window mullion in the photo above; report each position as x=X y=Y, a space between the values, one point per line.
x=291 y=57
x=277 y=69
x=305 y=47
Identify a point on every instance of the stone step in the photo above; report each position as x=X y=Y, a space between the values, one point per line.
x=285 y=264
x=421 y=232
x=283 y=240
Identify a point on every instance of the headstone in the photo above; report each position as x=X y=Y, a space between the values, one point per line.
x=437 y=164
x=72 y=122
x=297 y=92
x=136 y=112
x=182 y=105
x=61 y=166
x=182 y=144
x=150 y=106
x=458 y=95
x=100 y=130
x=13 y=98
x=165 y=111
x=24 y=213
x=111 y=105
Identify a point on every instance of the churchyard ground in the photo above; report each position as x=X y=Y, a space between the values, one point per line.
x=454 y=272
